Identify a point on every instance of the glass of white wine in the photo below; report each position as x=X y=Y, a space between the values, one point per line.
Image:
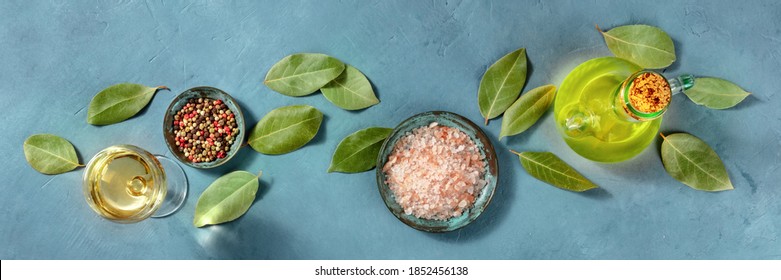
x=127 y=184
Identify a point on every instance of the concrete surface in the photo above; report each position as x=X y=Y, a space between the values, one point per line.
x=420 y=56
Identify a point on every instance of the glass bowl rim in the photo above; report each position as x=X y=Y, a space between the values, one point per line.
x=229 y=101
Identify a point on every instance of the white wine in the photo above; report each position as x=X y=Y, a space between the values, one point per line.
x=124 y=183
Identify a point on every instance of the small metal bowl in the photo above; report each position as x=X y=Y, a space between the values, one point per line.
x=484 y=146
x=202 y=92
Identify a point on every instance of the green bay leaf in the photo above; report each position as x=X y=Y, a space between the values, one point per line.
x=226 y=199
x=501 y=84
x=716 y=93
x=50 y=154
x=549 y=168
x=692 y=162
x=285 y=129
x=303 y=73
x=119 y=102
x=350 y=91
x=358 y=151
x=645 y=45
x=527 y=110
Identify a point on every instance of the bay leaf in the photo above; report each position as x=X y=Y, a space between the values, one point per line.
x=302 y=73
x=527 y=110
x=645 y=45
x=226 y=199
x=716 y=93
x=285 y=129
x=350 y=91
x=692 y=162
x=358 y=151
x=501 y=84
x=119 y=102
x=50 y=154
x=549 y=168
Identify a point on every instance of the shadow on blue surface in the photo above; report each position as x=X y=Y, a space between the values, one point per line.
x=749 y=102
x=319 y=138
x=598 y=194
x=677 y=63
x=247 y=111
x=241 y=239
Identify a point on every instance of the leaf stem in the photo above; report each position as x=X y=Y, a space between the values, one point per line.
x=665 y=138
x=598 y=29
x=260 y=173
x=514 y=152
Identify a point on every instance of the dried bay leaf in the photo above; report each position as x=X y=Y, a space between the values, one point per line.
x=350 y=91
x=226 y=199
x=50 y=154
x=119 y=102
x=358 y=151
x=645 y=45
x=285 y=129
x=549 y=168
x=303 y=73
x=716 y=93
x=501 y=84
x=527 y=110
x=692 y=162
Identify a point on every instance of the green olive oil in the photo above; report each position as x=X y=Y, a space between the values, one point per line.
x=586 y=114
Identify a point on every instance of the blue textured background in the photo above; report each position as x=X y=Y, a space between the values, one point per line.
x=420 y=56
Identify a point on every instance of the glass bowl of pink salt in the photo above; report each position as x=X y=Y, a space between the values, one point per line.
x=437 y=171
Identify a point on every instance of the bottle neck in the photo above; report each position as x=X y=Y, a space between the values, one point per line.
x=681 y=83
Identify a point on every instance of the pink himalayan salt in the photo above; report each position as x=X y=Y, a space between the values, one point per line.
x=435 y=172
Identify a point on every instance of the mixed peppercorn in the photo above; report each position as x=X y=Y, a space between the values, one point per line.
x=204 y=129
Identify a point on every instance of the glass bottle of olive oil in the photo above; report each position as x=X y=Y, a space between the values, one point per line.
x=601 y=111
